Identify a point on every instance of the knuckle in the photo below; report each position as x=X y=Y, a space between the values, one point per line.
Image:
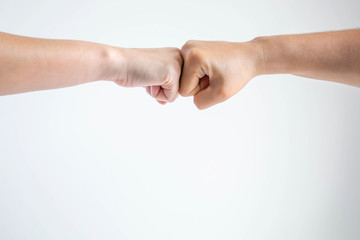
x=195 y=55
x=173 y=55
x=183 y=92
x=167 y=81
x=175 y=51
x=189 y=46
x=189 y=43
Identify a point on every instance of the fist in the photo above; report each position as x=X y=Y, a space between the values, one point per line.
x=158 y=70
x=215 y=71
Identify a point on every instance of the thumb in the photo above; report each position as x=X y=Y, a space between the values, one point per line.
x=210 y=96
x=191 y=74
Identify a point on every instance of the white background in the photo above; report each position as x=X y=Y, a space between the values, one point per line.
x=280 y=160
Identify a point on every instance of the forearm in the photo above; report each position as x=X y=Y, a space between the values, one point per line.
x=29 y=64
x=333 y=56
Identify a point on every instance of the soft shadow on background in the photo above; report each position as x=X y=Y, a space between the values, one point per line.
x=280 y=160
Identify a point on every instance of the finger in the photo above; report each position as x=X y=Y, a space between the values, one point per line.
x=171 y=90
x=191 y=74
x=204 y=82
x=161 y=94
x=154 y=90
x=209 y=96
x=148 y=90
x=164 y=97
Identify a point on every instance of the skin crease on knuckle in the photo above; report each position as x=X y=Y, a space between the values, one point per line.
x=171 y=88
x=171 y=82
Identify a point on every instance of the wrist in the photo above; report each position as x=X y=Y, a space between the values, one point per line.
x=113 y=64
x=253 y=53
x=259 y=47
x=273 y=57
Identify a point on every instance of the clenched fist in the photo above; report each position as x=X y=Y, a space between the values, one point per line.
x=158 y=70
x=215 y=71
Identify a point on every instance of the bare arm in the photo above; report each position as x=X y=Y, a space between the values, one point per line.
x=215 y=71
x=29 y=64
x=333 y=56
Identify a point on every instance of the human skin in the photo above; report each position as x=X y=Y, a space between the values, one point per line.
x=214 y=71
x=30 y=64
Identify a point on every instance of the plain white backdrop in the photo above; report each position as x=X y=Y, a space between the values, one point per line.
x=280 y=160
